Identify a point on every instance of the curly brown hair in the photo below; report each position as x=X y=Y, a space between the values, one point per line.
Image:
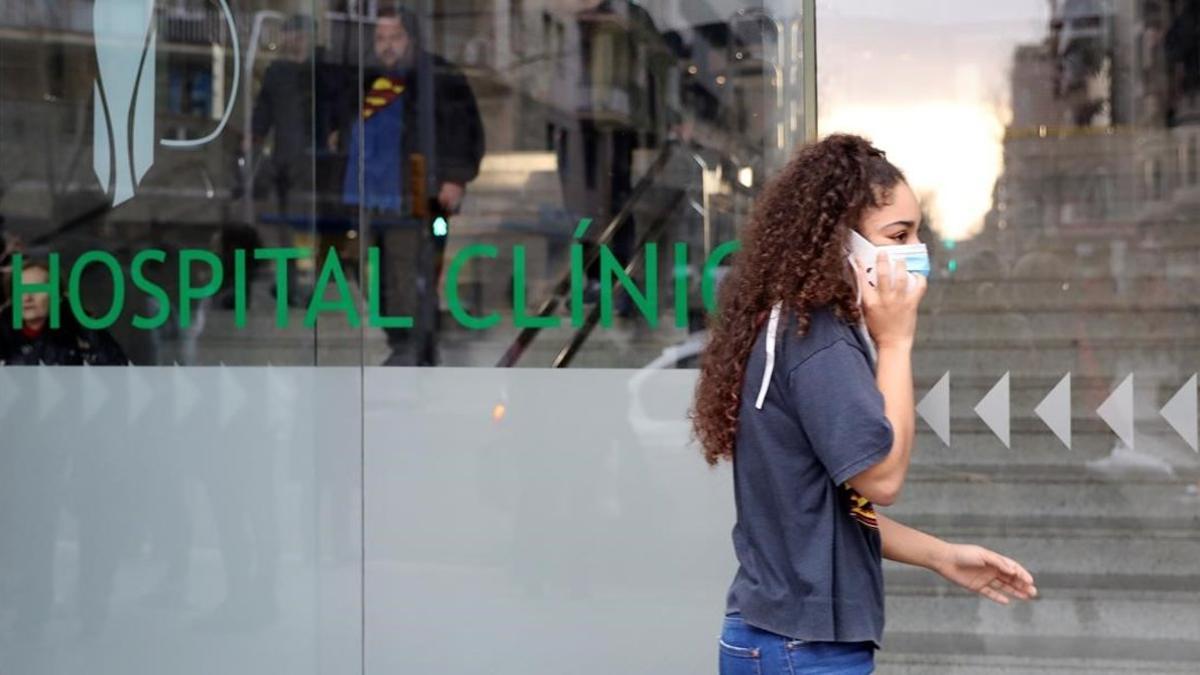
x=793 y=252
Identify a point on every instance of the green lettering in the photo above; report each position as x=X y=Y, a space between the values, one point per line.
x=281 y=256
x=239 y=288
x=681 y=285
x=578 y=284
x=647 y=302
x=189 y=293
x=20 y=289
x=142 y=283
x=332 y=270
x=75 y=299
x=521 y=318
x=578 y=275
x=375 y=317
x=455 y=301
x=710 y=266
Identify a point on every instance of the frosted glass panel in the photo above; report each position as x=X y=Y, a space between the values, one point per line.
x=520 y=520
x=179 y=520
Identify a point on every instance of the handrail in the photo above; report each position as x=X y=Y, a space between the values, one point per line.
x=569 y=350
x=707 y=173
x=563 y=286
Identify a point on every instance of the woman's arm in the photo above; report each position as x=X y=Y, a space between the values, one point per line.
x=973 y=567
x=891 y=315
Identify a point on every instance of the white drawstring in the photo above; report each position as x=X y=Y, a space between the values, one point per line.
x=772 y=329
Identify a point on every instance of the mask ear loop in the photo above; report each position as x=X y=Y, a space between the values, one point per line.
x=862 y=324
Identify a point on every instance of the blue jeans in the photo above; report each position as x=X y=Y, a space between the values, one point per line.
x=746 y=650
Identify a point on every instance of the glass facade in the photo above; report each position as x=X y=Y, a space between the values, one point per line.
x=1049 y=142
x=407 y=299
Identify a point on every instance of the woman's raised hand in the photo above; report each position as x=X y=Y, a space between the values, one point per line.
x=890 y=302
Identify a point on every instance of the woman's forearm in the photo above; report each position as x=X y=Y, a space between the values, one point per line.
x=893 y=375
x=910 y=546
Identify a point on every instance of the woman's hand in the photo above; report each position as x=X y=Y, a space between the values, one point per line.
x=890 y=303
x=985 y=572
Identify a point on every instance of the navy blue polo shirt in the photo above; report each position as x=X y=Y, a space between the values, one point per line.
x=807 y=545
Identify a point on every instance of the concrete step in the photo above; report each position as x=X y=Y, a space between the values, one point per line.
x=1060 y=471
x=1141 y=615
x=1082 y=496
x=915 y=653
x=1166 y=358
x=1125 y=294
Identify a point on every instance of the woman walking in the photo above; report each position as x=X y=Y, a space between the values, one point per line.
x=806 y=386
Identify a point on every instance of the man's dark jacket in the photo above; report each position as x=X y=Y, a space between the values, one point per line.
x=457 y=140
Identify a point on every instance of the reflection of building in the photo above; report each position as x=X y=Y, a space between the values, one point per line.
x=49 y=69
x=578 y=98
x=1180 y=39
x=1102 y=137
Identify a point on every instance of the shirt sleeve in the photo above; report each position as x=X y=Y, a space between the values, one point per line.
x=841 y=410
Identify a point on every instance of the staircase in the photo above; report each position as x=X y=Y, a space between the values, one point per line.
x=1111 y=535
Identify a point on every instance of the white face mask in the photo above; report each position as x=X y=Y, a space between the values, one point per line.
x=865 y=254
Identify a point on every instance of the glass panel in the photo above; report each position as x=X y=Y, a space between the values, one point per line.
x=322 y=173
x=527 y=130
x=197 y=511
x=539 y=515
x=1052 y=146
x=542 y=516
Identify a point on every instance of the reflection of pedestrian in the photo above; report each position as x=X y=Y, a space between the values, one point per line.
x=295 y=105
x=239 y=476
x=42 y=464
x=8 y=246
x=36 y=342
x=414 y=143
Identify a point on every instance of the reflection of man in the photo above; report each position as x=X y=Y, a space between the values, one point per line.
x=37 y=343
x=287 y=111
x=8 y=246
x=415 y=143
x=284 y=108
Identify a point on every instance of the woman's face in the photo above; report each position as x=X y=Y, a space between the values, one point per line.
x=895 y=222
x=35 y=307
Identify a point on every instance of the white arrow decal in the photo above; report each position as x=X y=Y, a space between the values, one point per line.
x=934 y=408
x=993 y=409
x=1117 y=411
x=1180 y=412
x=1055 y=410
